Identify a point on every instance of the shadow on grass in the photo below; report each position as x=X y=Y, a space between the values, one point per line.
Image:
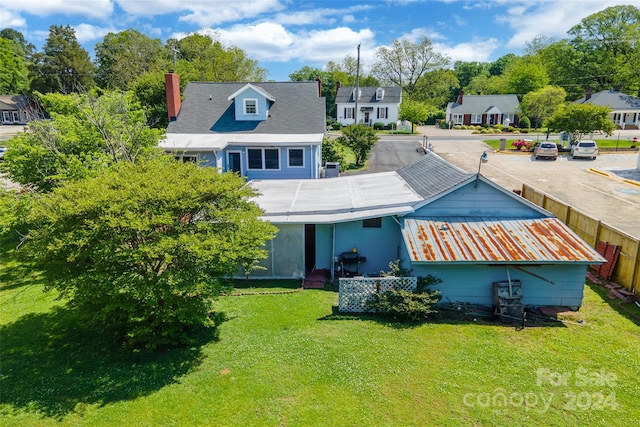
x=265 y=284
x=628 y=310
x=53 y=364
x=443 y=316
x=15 y=272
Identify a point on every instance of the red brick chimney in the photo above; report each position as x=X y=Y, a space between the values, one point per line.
x=460 y=96
x=172 y=86
x=319 y=81
x=588 y=95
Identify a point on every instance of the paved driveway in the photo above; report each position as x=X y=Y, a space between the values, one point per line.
x=607 y=198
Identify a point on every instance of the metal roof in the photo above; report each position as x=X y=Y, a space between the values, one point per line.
x=331 y=200
x=495 y=241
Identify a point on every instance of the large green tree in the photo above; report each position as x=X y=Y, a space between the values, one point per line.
x=540 y=104
x=581 y=119
x=64 y=66
x=84 y=136
x=404 y=62
x=524 y=75
x=122 y=57
x=141 y=249
x=14 y=75
x=360 y=139
x=205 y=58
x=434 y=88
x=609 y=44
x=414 y=112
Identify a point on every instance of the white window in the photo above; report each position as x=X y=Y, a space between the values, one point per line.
x=372 y=223
x=379 y=93
x=186 y=158
x=457 y=119
x=263 y=158
x=250 y=106
x=16 y=116
x=476 y=118
x=383 y=112
x=5 y=116
x=296 y=157
x=348 y=113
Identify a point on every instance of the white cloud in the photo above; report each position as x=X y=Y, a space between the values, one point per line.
x=473 y=51
x=87 y=32
x=9 y=19
x=348 y=19
x=529 y=19
x=93 y=8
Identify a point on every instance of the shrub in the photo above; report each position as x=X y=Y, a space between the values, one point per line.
x=378 y=125
x=444 y=125
x=391 y=126
x=336 y=126
x=524 y=122
x=405 y=305
x=521 y=143
x=499 y=126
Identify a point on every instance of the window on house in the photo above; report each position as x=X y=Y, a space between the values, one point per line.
x=457 y=119
x=250 y=106
x=186 y=158
x=372 y=223
x=263 y=158
x=16 y=116
x=296 y=157
x=348 y=113
x=5 y=116
x=476 y=118
x=383 y=113
x=379 y=93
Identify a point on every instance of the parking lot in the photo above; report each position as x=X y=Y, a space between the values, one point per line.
x=603 y=196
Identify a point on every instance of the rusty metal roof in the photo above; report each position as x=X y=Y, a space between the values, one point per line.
x=495 y=241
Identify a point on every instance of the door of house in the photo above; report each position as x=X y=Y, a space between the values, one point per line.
x=233 y=162
x=366 y=117
x=310 y=246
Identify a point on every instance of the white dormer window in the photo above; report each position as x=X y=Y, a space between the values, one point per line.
x=379 y=93
x=250 y=106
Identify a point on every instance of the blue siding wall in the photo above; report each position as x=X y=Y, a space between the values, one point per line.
x=474 y=283
x=285 y=172
x=482 y=201
x=262 y=105
x=379 y=245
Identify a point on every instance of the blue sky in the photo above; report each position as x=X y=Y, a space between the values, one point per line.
x=284 y=35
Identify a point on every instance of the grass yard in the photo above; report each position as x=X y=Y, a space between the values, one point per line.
x=605 y=142
x=289 y=359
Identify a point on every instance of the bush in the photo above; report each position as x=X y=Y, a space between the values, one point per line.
x=444 y=125
x=378 y=125
x=336 y=126
x=521 y=143
x=391 y=126
x=404 y=305
x=524 y=123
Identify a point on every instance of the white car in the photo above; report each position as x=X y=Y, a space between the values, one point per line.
x=585 y=148
x=2 y=150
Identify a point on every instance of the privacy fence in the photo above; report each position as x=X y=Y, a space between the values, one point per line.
x=592 y=231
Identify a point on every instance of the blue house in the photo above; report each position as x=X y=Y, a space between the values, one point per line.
x=437 y=219
x=265 y=130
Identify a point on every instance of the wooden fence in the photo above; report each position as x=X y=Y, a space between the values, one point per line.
x=591 y=230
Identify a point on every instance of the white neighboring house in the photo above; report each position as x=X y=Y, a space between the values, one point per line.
x=375 y=105
x=625 y=109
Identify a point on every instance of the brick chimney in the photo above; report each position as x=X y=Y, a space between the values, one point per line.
x=319 y=81
x=172 y=86
x=460 y=96
x=588 y=94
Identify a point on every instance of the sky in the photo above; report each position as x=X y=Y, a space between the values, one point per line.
x=285 y=35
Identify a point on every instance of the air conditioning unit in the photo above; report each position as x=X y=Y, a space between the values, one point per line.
x=331 y=169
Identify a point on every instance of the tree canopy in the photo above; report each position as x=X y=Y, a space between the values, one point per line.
x=360 y=139
x=14 y=75
x=141 y=249
x=540 y=104
x=581 y=119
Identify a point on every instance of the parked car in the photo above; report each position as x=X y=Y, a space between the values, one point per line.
x=586 y=148
x=2 y=150
x=547 y=149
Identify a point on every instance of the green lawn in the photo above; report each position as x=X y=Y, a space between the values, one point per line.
x=604 y=142
x=289 y=359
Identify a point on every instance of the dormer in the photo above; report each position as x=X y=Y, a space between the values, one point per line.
x=379 y=94
x=356 y=91
x=251 y=103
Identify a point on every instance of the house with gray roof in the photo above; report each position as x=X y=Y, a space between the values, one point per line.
x=437 y=219
x=261 y=130
x=625 y=108
x=483 y=109
x=375 y=105
x=19 y=110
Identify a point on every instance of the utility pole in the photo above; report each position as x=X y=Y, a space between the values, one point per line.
x=357 y=92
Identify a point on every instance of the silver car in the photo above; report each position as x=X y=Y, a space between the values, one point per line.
x=547 y=149
x=586 y=148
